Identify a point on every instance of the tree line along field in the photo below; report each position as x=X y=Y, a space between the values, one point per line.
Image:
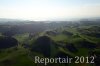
x=20 y=43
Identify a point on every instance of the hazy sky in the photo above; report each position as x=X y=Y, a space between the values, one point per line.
x=49 y=9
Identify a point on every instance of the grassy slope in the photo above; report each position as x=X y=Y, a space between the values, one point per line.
x=15 y=58
x=82 y=51
x=20 y=56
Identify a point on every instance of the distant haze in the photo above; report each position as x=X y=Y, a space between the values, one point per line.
x=49 y=9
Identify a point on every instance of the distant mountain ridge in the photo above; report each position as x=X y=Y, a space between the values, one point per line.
x=24 y=20
x=10 y=20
